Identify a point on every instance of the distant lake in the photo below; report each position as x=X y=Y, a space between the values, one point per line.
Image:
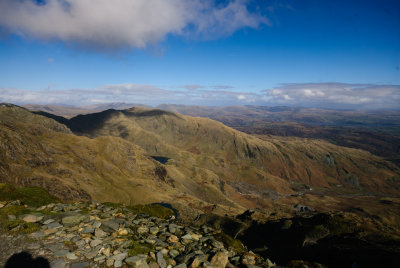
x=161 y=159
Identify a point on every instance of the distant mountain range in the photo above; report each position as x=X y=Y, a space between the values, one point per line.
x=141 y=155
x=375 y=131
x=299 y=189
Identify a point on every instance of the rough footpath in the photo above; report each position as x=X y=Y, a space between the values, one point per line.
x=103 y=235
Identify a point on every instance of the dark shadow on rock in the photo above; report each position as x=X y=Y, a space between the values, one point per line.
x=24 y=259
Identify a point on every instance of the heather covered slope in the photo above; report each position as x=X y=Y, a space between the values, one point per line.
x=218 y=164
x=37 y=151
x=204 y=163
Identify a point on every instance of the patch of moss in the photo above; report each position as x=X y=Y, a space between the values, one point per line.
x=49 y=212
x=137 y=248
x=13 y=210
x=152 y=210
x=84 y=210
x=19 y=226
x=70 y=245
x=113 y=205
x=32 y=196
x=29 y=227
x=229 y=242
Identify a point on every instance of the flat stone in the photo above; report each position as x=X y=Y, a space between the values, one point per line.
x=53 y=247
x=37 y=235
x=50 y=231
x=106 y=252
x=88 y=230
x=73 y=220
x=120 y=257
x=142 y=230
x=58 y=264
x=79 y=265
x=173 y=239
x=110 y=262
x=61 y=253
x=269 y=263
x=109 y=226
x=195 y=263
x=99 y=258
x=153 y=230
x=75 y=238
x=33 y=246
x=48 y=221
x=80 y=243
x=54 y=225
x=95 y=242
x=137 y=261
x=172 y=228
x=248 y=258
x=71 y=256
x=160 y=260
x=187 y=237
x=123 y=231
x=32 y=218
x=182 y=265
x=92 y=254
x=150 y=241
x=196 y=237
x=118 y=264
x=153 y=264
x=217 y=244
x=206 y=264
x=96 y=224
x=219 y=260
x=173 y=253
x=100 y=233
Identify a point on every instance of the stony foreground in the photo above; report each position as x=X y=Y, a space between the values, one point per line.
x=101 y=235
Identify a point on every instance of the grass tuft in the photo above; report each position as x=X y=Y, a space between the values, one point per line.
x=32 y=196
x=229 y=242
x=137 y=248
x=152 y=210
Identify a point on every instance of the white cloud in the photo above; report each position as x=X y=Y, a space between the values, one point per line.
x=241 y=97
x=130 y=93
x=325 y=95
x=115 y=24
x=335 y=95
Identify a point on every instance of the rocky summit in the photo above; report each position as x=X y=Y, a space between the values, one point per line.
x=108 y=235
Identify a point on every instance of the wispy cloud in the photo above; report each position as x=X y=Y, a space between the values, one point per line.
x=222 y=87
x=193 y=87
x=336 y=95
x=109 y=25
x=327 y=95
x=133 y=93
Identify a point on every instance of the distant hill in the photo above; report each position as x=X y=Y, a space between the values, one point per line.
x=375 y=131
x=38 y=151
x=71 y=111
x=152 y=155
x=220 y=165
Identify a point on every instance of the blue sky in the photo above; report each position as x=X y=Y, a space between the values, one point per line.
x=296 y=52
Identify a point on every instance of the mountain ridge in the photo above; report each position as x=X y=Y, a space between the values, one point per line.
x=208 y=166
